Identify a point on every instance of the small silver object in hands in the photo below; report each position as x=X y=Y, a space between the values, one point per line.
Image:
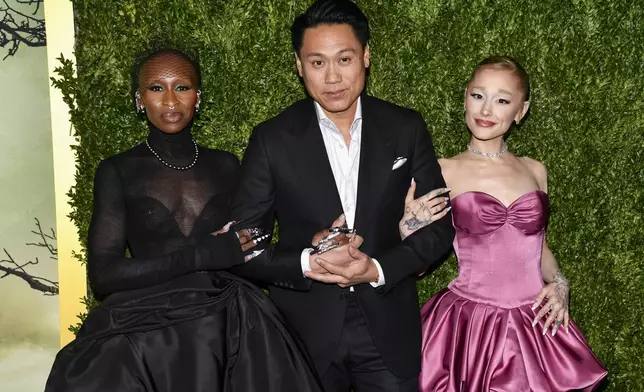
x=249 y=239
x=254 y=254
x=255 y=233
x=252 y=234
x=326 y=244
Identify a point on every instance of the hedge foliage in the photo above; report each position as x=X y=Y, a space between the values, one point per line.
x=585 y=57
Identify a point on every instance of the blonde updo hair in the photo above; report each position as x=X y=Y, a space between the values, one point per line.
x=509 y=64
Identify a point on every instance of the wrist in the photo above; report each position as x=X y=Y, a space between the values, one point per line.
x=559 y=278
x=374 y=275
x=305 y=260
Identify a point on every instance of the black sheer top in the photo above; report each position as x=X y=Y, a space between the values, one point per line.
x=162 y=215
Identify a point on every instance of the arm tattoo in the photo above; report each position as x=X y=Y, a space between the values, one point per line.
x=559 y=278
x=562 y=288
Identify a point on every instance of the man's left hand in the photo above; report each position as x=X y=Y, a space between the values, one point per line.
x=361 y=269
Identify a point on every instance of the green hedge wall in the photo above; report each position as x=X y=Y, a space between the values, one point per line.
x=585 y=57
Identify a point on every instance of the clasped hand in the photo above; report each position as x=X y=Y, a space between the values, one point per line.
x=344 y=265
x=248 y=239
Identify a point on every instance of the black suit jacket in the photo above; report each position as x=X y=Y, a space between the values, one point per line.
x=286 y=176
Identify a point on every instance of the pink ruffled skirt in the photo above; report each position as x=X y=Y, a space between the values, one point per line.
x=474 y=347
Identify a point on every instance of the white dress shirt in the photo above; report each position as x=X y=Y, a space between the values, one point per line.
x=345 y=165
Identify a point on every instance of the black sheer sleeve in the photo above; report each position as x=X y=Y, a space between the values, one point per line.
x=108 y=267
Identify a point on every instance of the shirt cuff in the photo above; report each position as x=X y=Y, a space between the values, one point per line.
x=304 y=260
x=381 y=276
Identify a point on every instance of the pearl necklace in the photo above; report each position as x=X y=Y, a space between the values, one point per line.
x=194 y=161
x=473 y=150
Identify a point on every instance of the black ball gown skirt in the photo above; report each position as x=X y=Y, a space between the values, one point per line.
x=199 y=332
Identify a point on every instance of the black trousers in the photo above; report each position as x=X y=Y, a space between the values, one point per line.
x=358 y=365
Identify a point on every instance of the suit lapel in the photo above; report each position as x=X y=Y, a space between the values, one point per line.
x=376 y=158
x=312 y=165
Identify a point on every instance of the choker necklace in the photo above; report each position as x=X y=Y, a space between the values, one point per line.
x=504 y=149
x=194 y=161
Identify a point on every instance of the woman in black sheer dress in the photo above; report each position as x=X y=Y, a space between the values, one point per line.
x=171 y=318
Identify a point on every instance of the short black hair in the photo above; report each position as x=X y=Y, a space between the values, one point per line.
x=330 y=12
x=142 y=59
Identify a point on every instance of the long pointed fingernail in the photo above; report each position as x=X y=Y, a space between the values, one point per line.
x=534 y=323
x=554 y=331
x=534 y=306
x=544 y=331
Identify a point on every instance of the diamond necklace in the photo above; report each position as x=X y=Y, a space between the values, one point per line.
x=171 y=166
x=504 y=149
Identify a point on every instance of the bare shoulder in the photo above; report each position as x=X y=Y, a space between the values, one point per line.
x=448 y=164
x=456 y=160
x=450 y=168
x=444 y=162
x=537 y=169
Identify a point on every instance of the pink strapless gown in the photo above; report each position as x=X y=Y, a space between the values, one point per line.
x=478 y=334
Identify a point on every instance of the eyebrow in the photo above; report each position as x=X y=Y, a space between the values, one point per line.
x=176 y=78
x=315 y=54
x=501 y=91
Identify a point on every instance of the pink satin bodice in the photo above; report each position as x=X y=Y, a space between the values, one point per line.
x=499 y=247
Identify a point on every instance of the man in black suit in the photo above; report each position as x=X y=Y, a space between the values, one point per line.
x=342 y=151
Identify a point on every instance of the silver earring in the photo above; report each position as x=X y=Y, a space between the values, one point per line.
x=139 y=107
x=198 y=100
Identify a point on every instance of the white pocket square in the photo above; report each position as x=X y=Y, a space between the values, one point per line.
x=399 y=162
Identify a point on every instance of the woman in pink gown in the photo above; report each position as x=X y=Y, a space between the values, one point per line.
x=497 y=325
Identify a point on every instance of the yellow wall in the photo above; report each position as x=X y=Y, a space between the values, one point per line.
x=59 y=22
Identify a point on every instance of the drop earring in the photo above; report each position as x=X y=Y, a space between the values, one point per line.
x=139 y=106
